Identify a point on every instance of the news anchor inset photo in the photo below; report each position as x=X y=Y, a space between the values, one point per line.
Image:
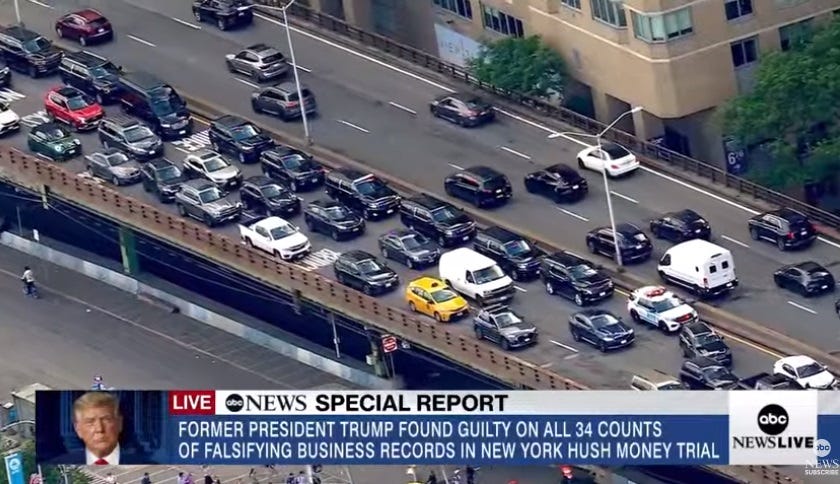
x=99 y=428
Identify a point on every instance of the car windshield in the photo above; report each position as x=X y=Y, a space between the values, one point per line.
x=582 y=271
x=105 y=70
x=338 y=212
x=36 y=45
x=169 y=173
x=717 y=373
x=272 y=191
x=517 y=248
x=116 y=159
x=666 y=304
x=443 y=295
x=282 y=231
x=507 y=319
x=414 y=241
x=295 y=162
x=210 y=195
x=371 y=187
x=444 y=214
x=245 y=131
x=78 y=102
x=809 y=370
x=164 y=106
x=671 y=386
x=603 y=320
x=138 y=133
x=488 y=274
x=370 y=265
x=215 y=164
x=55 y=132
x=615 y=151
x=707 y=339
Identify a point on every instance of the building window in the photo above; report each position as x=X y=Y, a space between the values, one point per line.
x=744 y=52
x=460 y=7
x=609 y=12
x=502 y=22
x=663 y=27
x=737 y=8
x=795 y=34
x=571 y=3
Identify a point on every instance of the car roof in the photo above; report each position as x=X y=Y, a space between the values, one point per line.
x=124 y=121
x=568 y=259
x=484 y=172
x=89 y=14
x=287 y=87
x=21 y=33
x=561 y=169
x=655 y=293
x=144 y=80
x=698 y=327
x=160 y=163
x=273 y=222
x=356 y=256
x=498 y=309
x=797 y=360
x=49 y=125
x=589 y=313
x=501 y=234
x=205 y=153
x=789 y=214
x=400 y=233
x=283 y=150
x=88 y=59
x=464 y=96
x=325 y=203
x=350 y=173
x=428 y=202
x=261 y=180
x=68 y=91
x=626 y=228
x=230 y=121
x=809 y=266
x=260 y=48
x=428 y=283
x=199 y=184
x=703 y=361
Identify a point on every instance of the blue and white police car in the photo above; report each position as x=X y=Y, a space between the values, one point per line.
x=661 y=308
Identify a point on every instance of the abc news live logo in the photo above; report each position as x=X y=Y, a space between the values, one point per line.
x=236 y=403
x=773 y=420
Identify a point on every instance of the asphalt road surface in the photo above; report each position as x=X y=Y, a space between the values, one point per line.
x=191 y=58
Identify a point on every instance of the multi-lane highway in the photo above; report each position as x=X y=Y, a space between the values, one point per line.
x=359 y=117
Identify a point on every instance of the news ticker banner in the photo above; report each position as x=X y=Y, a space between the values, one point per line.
x=485 y=428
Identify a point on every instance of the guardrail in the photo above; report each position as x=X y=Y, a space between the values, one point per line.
x=650 y=154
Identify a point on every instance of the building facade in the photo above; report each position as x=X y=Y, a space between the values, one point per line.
x=677 y=59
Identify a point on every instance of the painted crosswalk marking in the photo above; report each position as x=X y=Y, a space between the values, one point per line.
x=10 y=96
x=319 y=258
x=34 y=119
x=194 y=142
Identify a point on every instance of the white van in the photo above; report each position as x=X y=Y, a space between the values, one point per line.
x=475 y=276
x=702 y=267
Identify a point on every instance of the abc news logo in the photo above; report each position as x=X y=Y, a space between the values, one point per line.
x=265 y=403
x=773 y=420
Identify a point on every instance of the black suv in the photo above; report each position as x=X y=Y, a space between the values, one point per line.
x=634 y=245
x=28 y=52
x=514 y=254
x=263 y=195
x=202 y=200
x=238 y=137
x=149 y=98
x=785 y=227
x=283 y=101
x=163 y=178
x=225 y=14
x=699 y=339
x=334 y=219
x=480 y=185
x=701 y=373
x=131 y=137
x=575 y=278
x=293 y=167
x=437 y=219
x=92 y=74
x=504 y=327
x=364 y=272
x=362 y=192
x=681 y=226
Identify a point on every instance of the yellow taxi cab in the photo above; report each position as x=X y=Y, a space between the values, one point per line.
x=434 y=298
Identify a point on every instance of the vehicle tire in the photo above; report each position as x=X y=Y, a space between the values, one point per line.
x=505 y=344
x=479 y=300
x=340 y=278
x=59 y=32
x=529 y=188
x=656 y=231
x=100 y=99
x=515 y=276
x=663 y=327
x=479 y=334
x=256 y=76
x=412 y=307
x=384 y=252
x=255 y=106
x=549 y=288
x=293 y=186
x=592 y=247
x=83 y=41
x=105 y=144
x=368 y=290
x=33 y=73
x=477 y=201
x=579 y=300
x=115 y=181
x=181 y=210
x=634 y=315
x=686 y=353
x=242 y=158
x=441 y=240
x=779 y=282
x=146 y=188
x=581 y=165
x=310 y=224
x=433 y=111
x=409 y=263
x=215 y=146
x=277 y=255
x=602 y=347
x=662 y=276
x=780 y=243
x=754 y=233
x=221 y=24
x=198 y=16
x=575 y=335
x=208 y=221
x=438 y=317
x=335 y=235
x=249 y=242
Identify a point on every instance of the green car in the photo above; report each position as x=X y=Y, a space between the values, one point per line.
x=54 y=141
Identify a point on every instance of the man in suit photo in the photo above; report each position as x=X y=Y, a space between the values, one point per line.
x=98 y=423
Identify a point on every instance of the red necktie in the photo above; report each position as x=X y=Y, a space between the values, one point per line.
x=101 y=462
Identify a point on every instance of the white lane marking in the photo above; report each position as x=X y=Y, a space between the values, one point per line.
x=247 y=83
x=520 y=289
x=515 y=153
x=572 y=214
x=402 y=108
x=547 y=365
x=453 y=165
x=619 y=195
x=300 y=67
x=41 y=4
x=186 y=24
x=138 y=39
x=347 y=123
x=563 y=346
x=804 y=308
x=734 y=241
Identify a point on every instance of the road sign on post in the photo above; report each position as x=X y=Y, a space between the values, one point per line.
x=389 y=343
x=14 y=467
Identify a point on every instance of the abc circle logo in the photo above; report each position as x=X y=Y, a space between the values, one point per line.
x=822 y=448
x=773 y=419
x=14 y=464
x=234 y=402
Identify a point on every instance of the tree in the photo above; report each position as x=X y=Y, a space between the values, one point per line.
x=521 y=65
x=52 y=474
x=792 y=111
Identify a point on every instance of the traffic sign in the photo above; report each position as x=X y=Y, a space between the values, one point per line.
x=389 y=343
x=34 y=479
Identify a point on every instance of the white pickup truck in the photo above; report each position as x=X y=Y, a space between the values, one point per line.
x=276 y=236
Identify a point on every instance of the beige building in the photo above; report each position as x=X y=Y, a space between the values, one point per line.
x=678 y=59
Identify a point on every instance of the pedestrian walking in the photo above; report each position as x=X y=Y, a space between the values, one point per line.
x=146 y=479
x=291 y=479
x=301 y=478
x=216 y=480
x=181 y=478
x=208 y=479
x=189 y=479
x=28 y=278
x=470 y=475
x=432 y=479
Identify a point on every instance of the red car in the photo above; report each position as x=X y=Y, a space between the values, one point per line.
x=85 y=26
x=73 y=107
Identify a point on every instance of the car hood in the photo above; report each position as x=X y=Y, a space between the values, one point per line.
x=677 y=312
x=48 y=53
x=517 y=329
x=126 y=169
x=109 y=80
x=348 y=220
x=145 y=144
x=66 y=141
x=88 y=111
x=219 y=205
x=531 y=258
x=380 y=193
x=614 y=330
x=281 y=200
x=459 y=220
x=820 y=380
x=225 y=173
x=255 y=141
x=174 y=183
x=290 y=241
x=380 y=275
x=176 y=117
x=713 y=347
x=592 y=280
x=423 y=250
x=8 y=116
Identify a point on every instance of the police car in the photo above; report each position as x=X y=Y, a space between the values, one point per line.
x=659 y=307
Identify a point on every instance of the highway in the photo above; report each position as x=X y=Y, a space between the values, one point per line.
x=176 y=45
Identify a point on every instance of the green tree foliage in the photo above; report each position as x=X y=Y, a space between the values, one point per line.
x=52 y=474
x=521 y=65
x=793 y=110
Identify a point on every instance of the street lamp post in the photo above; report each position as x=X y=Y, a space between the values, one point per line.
x=303 y=115
x=17 y=11
x=598 y=137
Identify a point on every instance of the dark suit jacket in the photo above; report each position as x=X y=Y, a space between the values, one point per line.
x=80 y=458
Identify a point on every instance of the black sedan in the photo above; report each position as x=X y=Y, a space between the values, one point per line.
x=504 y=327
x=633 y=244
x=334 y=219
x=805 y=278
x=601 y=329
x=226 y=14
x=703 y=373
x=560 y=183
x=363 y=272
x=262 y=195
x=681 y=226
x=409 y=248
